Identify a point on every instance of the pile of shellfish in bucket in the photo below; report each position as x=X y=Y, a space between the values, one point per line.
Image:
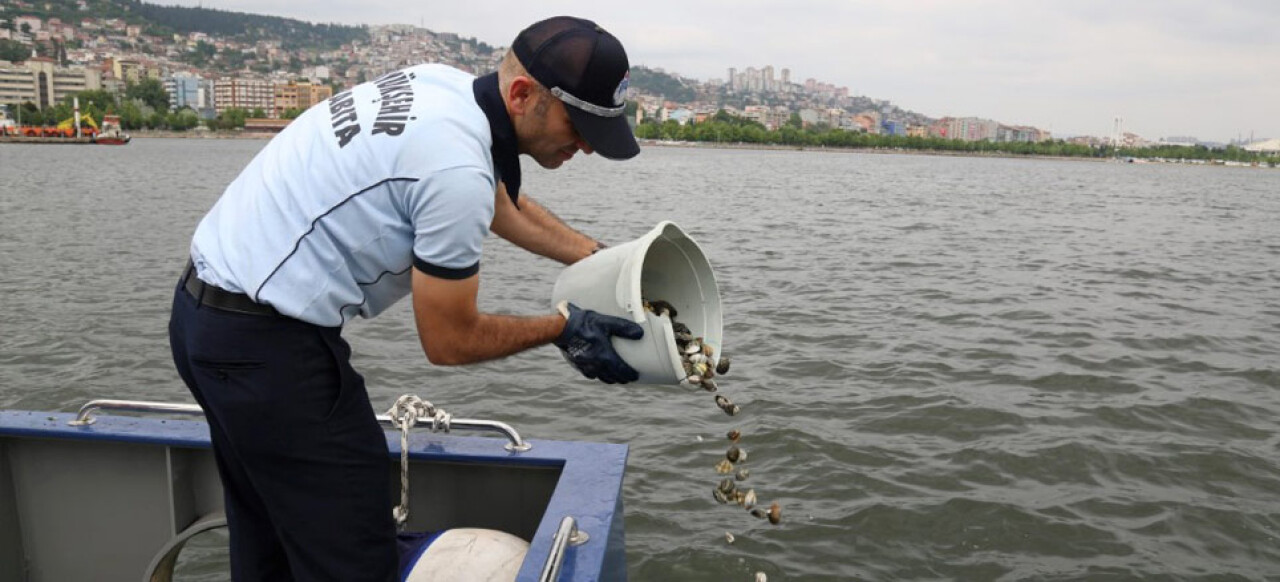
x=698 y=358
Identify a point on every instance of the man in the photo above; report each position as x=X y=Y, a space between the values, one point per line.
x=384 y=190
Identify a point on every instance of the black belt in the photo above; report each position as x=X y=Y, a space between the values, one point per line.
x=217 y=298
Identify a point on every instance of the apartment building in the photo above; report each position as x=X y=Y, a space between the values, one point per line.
x=189 y=90
x=243 y=93
x=966 y=129
x=42 y=82
x=298 y=95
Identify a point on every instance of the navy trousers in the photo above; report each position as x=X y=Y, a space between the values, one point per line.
x=303 y=461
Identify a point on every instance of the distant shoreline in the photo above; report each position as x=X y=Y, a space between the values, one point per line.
x=223 y=134
x=150 y=133
x=927 y=152
x=192 y=134
x=883 y=151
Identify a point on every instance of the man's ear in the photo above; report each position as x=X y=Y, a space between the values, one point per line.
x=521 y=95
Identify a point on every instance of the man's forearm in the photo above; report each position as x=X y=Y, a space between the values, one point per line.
x=534 y=228
x=567 y=245
x=494 y=336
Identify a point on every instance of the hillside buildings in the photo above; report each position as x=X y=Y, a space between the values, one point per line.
x=98 y=53
x=211 y=75
x=820 y=104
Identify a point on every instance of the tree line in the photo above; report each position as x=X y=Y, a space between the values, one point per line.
x=165 y=20
x=655 y=83
x=13 y=51
x=293 y=34
x=726 y=128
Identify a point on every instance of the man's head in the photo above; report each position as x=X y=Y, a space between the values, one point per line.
x=564 y=82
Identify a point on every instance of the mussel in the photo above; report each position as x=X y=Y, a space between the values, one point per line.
x=727 y=405
x=722 y=366
x=661 y=307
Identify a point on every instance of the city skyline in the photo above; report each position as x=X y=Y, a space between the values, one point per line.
x=1168 y=68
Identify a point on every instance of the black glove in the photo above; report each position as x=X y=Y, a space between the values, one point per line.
x=586 y=342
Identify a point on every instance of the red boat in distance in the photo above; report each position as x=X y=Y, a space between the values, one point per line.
x=111 y=134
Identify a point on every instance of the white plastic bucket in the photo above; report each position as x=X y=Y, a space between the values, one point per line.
x=664 y=264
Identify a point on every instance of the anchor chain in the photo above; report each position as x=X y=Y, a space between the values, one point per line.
x=404 y=415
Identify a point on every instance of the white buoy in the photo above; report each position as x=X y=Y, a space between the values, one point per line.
x=470 y=555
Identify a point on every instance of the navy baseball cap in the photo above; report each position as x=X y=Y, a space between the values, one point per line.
x=585 y=67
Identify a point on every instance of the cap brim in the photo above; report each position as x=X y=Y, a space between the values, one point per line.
x=610 y=137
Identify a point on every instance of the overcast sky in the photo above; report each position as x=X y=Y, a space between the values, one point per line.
x=1204 y=68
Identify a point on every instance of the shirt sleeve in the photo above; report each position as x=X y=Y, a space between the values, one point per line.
x=451 y=212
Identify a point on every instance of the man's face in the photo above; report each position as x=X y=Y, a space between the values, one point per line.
x=548 y=135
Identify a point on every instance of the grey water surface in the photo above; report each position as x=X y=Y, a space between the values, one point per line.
x=950 y=368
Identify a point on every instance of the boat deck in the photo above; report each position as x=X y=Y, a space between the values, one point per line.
x=101 y=501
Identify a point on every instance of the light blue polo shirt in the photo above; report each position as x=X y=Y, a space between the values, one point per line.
x=329 y=219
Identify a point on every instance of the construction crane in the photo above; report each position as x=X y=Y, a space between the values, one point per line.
x=68 y=127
